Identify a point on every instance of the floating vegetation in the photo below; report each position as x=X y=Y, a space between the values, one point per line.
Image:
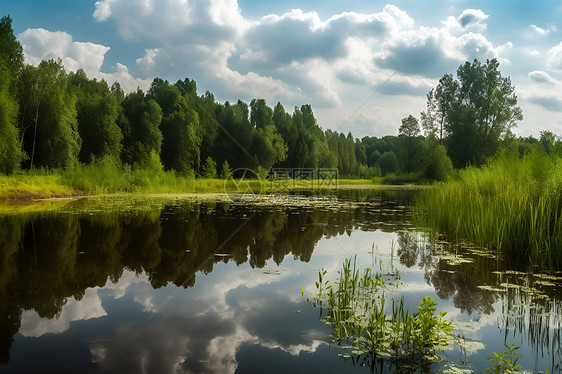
x=356 y=310
x=491 y=288
x=454 y=259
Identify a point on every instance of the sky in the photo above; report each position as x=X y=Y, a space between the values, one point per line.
x=363 y=65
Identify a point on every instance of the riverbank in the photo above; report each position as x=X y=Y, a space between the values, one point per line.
x=512 y=206
x=43 y=185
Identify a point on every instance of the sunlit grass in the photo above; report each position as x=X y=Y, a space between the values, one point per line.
x=27 y=186
x=511 y=205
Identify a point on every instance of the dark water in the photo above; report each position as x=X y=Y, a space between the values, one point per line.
x=165 y=285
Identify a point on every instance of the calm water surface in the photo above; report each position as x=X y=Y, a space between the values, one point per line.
x=166 y=285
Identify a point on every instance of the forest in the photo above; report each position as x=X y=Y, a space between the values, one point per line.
x=54 y=120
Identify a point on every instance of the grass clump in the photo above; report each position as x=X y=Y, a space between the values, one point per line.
x=512 y=205
x=39 y=184
x=357 y=313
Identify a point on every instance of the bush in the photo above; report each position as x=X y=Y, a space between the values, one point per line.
x=438 y=165
x=388 y=163
x=209 y=169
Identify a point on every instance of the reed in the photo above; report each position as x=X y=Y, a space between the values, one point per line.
x=357 y=312
x=511 y=205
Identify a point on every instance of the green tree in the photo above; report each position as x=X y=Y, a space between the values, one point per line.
x=388 y=163
x=11 y=153
x=11 y=50
x=209 y=168
x=180 y=127
x=261 y=115
x=140 y=127
x=409 y=130
x=50 y=112
x=268 y=146
x=234 y=139
x=478 y=109
x=98 y=113
x=437 y=165
x=226 y=169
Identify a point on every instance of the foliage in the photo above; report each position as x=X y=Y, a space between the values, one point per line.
x=476 y=110
x=226 y=170
x=409 y=130
x=11 y=153
x=181 y=132
x=437 y=165
x=50 y=113
x=140 y=128
x=210 y=168
x=355 y=305
x=388 y=163
x=98 y=112
x=11 y=51
x=65 y=118
x=512 y=205
x=505 y=362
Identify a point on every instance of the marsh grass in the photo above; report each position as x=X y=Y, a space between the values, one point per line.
x=357 y=312
x=37 y=185
x=107 y=176
x=511 y=205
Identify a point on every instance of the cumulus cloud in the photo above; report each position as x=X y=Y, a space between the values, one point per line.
x=431 y=52
x=88 y=307
x=554 y=59
x=541 y=31
x=541 y=77
x=550 y=102
x=201 y=21
x=469 y=19
x=40 y=44
x=296 y=56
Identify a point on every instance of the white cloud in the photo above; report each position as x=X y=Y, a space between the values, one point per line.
x=548 y=101
x=469 y=19
x=541 y=77
x=40 y=44
x=103 y=10
x=88 y=307
x=199 y=21
x=297 y=57
x=543 y=31
x=554 y=59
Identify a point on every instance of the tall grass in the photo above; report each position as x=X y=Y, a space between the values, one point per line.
x=107 y=176
x=39 y=184
x=356 y=310
x=512 y=205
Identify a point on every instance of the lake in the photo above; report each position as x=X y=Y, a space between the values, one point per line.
x=164 y=284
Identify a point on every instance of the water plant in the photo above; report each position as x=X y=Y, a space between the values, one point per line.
x=505 y=362
x=356 y=309
x=512 y=206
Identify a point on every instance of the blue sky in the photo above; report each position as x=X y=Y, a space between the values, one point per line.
x=362 y=64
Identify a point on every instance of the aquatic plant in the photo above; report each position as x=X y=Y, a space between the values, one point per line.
x=511 y=205
x=505 y=362
x=356 y=311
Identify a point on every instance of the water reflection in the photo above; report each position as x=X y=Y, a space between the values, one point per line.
x=48 y=259
x=526 y=306
x=206 y=286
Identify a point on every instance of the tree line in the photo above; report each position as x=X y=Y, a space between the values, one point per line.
x=53 y=119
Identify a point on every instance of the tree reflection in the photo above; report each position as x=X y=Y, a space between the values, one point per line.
x=47 y=258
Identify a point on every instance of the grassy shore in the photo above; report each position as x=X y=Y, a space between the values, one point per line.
x=511 y=205
x=108 y=177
